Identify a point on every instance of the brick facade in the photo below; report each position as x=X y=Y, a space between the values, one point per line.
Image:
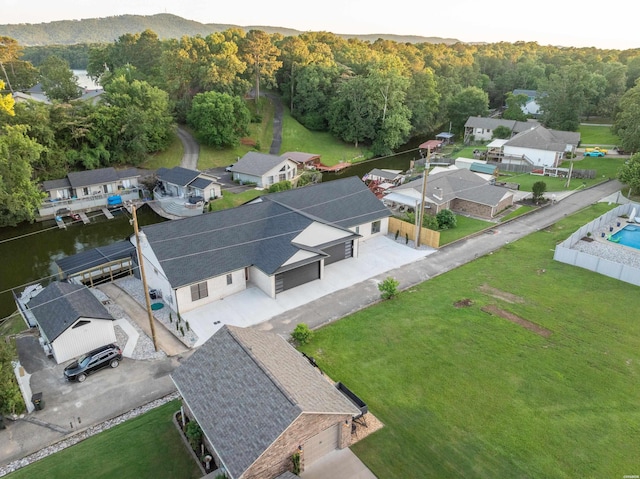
x=277 y=458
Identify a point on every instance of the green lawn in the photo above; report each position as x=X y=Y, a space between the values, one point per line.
x=148 y=446
x=463 y=393
x=231 y=200
x=464 y=227
x=517 y=212
x=168 y=158
x=597 y=135
x=296 y=137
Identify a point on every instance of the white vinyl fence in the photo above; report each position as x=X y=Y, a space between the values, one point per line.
x=620 y=268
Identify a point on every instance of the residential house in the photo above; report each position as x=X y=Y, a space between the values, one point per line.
x=20 y=97
x=264 y=170
x=184 y=183
x=259 y=401
x=531 y=107
x=71 y=320
x=539 y=146
x=481 y=129
x=89 y=189
x=275 y=243
x=304 y=160
x=457 y=189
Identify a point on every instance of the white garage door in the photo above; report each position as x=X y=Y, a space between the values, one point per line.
x=321 y=444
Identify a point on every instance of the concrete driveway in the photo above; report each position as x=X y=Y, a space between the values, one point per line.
x=339 y=464
x=70 y=407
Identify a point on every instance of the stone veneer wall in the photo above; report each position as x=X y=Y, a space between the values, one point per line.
x=277 y=458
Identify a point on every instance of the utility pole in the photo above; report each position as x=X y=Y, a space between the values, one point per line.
x=420 y=212
x=569 y=176
x=144 y=278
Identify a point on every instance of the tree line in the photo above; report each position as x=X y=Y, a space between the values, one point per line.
x=376 y=94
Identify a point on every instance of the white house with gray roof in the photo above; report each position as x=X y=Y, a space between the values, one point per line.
x=275 y=243
x=71 y=320
x=258 y=401
x=263 y=169
x=481 y=129
x=539 y=146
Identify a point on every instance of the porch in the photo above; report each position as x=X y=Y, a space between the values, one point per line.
x=49 y=207
x=177 y=206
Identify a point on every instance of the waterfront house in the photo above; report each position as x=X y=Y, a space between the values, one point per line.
x=263 y=170
x=275 y=243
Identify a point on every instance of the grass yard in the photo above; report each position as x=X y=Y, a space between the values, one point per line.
x=517 y=212
x=168 y=158
x=597 y=135
x=296 y=137
x=463 y=393
x=231 y=200
x=148 y=446
x=464 y=227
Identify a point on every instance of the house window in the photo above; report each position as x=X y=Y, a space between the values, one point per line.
x=199 y=291
x=283 y=176
x=375 y=227
x=229 y=279
x=85 y=191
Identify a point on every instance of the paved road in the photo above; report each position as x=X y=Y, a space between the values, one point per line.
x=191 y=149
x=361 y=295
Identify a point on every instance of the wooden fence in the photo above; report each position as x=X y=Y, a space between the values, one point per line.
x=427 y=237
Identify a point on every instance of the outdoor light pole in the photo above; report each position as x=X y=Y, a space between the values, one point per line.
x=143 y=276
x=420 y=212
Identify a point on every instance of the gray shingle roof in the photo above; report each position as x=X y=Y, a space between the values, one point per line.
x=256 y=164
x=493 y=123
x=95 y=257
x=460 y=183
x=260 y=234
x=100 y=176
x=60 y=304
x=300 y=157
x=541 y=138
x=177 y=175
x=201 y=183
x=56 y=184
x=245 y=387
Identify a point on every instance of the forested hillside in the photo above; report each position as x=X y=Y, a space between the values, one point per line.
x=104 y=30
x=374 y=95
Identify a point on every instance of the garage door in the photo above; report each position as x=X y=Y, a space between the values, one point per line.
x=338 y=252
x=296 y=277
x=321 y=444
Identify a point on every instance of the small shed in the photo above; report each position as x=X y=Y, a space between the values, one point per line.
x=431 y=145
x=71 y=320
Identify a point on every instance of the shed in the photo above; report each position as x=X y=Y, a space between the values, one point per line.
x=446 y=138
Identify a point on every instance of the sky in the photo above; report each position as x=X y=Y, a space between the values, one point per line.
x=548 y=22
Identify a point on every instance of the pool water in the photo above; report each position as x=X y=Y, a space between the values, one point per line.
x=628 y=236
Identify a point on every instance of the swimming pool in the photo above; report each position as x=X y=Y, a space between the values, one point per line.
x=628 y=236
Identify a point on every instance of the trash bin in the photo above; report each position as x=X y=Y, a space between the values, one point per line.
x=37 y=401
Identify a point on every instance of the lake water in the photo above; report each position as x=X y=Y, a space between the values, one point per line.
x=29 y=251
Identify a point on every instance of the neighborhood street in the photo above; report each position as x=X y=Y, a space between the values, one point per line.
x=110 y=393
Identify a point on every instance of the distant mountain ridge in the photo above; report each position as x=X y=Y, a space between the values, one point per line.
x=108 y=29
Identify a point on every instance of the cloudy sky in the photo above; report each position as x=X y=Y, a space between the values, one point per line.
x=548 y=22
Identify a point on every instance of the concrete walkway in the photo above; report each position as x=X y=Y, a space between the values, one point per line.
x=165 y=340
x=191 y=149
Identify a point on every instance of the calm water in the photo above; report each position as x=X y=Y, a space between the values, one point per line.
x=628 y=236
x=29 y=251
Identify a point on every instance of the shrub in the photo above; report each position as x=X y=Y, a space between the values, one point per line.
x=295 y=459
x=302 y=334
x=538 y=190
x=446 y=219
x=388 y=288
x=280 y=186
x=194 y=434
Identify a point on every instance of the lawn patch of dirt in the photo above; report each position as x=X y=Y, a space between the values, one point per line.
x=503 y=295
x=248 y=141
x=494 y=310
x=463 y=303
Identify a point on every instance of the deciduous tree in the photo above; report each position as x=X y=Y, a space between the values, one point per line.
x=58 y=81
x=219 y=119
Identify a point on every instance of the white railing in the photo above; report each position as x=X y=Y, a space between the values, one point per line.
x=49 y=207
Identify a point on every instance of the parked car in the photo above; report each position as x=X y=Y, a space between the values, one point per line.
x=596 y=148
x=108 y=355
x=593 y=153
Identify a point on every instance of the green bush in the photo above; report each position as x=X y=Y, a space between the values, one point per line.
x=295 y=459
x=280 y=186
x=194 y=434
x=446 y=220
x=302 y=334
x=388 y=288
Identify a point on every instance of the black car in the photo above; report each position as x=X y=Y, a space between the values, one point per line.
x=109 y=355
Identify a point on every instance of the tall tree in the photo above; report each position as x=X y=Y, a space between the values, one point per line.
x=514 y=107
x=471 y=101
x=219 y=119
x=58 y=81
x=19 y=194
x=261 y=57
x=627 y=122
x=423 y=100
x=10 y=51
x=6 y=102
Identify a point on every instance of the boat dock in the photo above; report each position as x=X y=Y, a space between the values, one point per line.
x=334 y=168
x=60 y=222
x=107 y=213
x=84 y=217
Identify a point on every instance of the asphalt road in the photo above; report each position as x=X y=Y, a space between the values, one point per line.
x=191 y=149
